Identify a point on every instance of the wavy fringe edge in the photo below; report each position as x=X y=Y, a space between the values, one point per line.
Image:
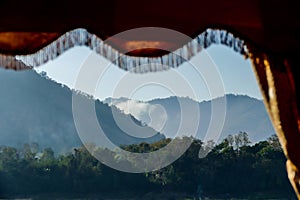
x=81 y=37
x=10 y=62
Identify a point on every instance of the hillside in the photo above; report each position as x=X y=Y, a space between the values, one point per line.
x=36 y=110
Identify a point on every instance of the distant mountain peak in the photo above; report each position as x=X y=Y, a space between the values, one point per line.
x=243 y=113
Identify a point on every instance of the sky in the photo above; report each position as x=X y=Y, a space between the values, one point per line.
x=210 y=74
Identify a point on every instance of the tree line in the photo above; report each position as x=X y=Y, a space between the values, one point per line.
x=232 y=168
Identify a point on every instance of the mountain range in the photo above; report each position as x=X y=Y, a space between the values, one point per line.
x=35 y=109
x=243 y=114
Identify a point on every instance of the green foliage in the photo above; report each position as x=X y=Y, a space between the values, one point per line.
x=231 y=168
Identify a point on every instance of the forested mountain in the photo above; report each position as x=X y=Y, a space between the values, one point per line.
x=36 y=110
x=243 y=113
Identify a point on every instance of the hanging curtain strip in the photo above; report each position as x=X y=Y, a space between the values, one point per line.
x=10 y=62
x=81 y=37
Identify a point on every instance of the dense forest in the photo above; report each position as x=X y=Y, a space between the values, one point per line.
x=232 y=168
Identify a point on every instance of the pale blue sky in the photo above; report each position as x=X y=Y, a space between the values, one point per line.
x=236 y=74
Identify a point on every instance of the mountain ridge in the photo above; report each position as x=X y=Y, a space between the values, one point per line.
x=110 y=99
x=36 y=110
x=244 y=113
x=26 y=93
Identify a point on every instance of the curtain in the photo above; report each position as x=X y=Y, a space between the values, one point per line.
x=276 y=75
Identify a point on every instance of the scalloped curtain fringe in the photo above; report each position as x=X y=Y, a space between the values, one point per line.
x=10 y=62
x=81 y=37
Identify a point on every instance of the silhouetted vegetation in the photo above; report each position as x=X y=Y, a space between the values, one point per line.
x=233 y=168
